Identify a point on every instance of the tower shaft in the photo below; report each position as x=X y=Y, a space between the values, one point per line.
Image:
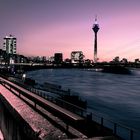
x=95 y=28
x=95 y=48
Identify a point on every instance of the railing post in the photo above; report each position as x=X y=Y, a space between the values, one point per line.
x=89 y=117
x=67 y=127
x=131 y=134
x=69 y=92
x=115 y=128
x=82 y=113
x=102 y=121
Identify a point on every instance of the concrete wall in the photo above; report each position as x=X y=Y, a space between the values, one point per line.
x=1 y=136
x=12 y=125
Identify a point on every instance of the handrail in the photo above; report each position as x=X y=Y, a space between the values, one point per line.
x=130 y=130
x=80 y=108
x=41 y=102
x=115 y=124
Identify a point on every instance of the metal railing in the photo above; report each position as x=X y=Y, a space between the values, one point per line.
x=69 y=106
x=119 y=129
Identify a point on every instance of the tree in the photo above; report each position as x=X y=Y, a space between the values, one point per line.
x=116 y=59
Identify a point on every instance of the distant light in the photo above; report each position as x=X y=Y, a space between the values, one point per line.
x=24 y=77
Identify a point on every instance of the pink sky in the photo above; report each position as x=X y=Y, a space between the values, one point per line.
x=46 y=27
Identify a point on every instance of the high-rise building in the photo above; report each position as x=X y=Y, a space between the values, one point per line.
x=77 y=56
x=95 y=28
x=58 y=58
x=9 y=44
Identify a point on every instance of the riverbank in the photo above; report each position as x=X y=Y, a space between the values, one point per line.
x=28 y=67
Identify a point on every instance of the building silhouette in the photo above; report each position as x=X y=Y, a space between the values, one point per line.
x=95 y=28
x=58 y=58
x=9 y=44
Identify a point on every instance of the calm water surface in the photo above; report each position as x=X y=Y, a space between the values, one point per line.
x=111 y=95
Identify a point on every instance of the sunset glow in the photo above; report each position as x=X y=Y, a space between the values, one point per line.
x=48 y=26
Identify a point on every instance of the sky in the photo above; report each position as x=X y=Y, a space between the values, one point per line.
x=44 y=27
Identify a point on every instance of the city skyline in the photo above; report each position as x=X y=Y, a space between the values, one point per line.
x=45 y=27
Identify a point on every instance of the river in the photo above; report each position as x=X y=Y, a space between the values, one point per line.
x=113 y=96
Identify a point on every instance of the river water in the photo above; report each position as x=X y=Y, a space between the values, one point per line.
x=113 y=96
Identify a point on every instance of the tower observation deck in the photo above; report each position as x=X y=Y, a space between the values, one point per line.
x=95 y=28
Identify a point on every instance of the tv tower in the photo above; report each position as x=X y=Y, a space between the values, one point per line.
x=95 y=28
